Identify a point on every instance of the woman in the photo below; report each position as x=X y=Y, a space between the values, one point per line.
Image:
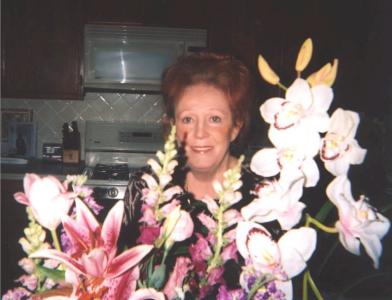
x=208 y=97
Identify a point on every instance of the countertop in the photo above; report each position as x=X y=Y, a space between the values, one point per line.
x=41 y=167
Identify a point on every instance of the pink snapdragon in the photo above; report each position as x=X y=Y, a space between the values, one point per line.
x=174 y=284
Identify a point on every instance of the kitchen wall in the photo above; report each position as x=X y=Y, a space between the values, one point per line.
x=113 y=107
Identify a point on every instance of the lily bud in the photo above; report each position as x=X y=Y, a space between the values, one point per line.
x=266 y=72
x=304 y=55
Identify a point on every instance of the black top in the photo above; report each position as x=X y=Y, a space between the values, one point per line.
x=188 y=202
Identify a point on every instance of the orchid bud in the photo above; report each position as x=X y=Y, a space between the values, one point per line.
x=326 y=75
x=266 y=72
x=304 y=55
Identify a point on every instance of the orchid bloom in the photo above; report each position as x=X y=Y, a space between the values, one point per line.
x=282 y=260
x=358 y=221
x=291 y=162
x=275 y=202
x=94 y=264
x=301 y=115
x=47 y=197
x=339 y=147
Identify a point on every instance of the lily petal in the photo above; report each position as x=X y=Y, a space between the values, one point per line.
x=127 y=260
x=85 y=218
x=61 y=257
x=111 y=227
x=95 y=262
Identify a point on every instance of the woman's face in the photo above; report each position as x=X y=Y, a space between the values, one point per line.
x=205 y=126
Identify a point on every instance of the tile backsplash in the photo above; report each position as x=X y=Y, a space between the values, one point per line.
x=50 y=115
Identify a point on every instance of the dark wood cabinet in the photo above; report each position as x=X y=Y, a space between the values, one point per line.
x=41 y=49
x=167 y=13
x=13 y=221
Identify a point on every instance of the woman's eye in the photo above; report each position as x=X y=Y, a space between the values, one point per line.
x=216 y=119
x=186 y=120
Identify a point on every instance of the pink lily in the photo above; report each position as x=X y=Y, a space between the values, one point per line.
x=93 y=263
x=358 y=222
x=47 y=197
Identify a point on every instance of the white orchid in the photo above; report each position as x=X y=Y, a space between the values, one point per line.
x=358 y=221
x=283 y=260
x=292 y=163
x=339 y=147
x=300 y=116
x=275 y=202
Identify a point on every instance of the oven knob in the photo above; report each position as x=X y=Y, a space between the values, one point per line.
x=113 y=192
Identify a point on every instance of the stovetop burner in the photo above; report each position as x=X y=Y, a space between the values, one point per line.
x=111 y=172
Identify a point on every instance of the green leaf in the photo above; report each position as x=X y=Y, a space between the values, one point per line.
x=158 y=277
x=183 y=250
x=324 y=211
x=56 y=275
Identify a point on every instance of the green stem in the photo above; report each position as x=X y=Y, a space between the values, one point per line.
x=219 y=241
x=258 y=284
x=310 y=220
x=314 y=287
x=55 y=240
x=305 y=286
x=282 y=86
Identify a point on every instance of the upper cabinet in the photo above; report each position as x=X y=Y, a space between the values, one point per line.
x=42 y=42
x=166 y=13
x=41 y=49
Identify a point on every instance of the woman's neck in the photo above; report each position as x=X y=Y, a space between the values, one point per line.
x=199 y=183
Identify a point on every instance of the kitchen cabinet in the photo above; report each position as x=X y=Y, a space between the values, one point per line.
x=41 y=49
x=169 y=13
x=13 y=221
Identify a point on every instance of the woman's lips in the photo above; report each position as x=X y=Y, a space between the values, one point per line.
x=200 y=149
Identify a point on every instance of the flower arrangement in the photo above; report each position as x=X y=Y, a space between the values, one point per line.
x=86 y=265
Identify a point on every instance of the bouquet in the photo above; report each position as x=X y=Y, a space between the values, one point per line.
x=86 y=265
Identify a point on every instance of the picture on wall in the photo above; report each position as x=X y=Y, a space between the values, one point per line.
x=22 y=139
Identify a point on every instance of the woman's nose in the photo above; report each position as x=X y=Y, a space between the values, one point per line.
x=201 y=130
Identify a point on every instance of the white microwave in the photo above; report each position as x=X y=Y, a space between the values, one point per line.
x=133 y=58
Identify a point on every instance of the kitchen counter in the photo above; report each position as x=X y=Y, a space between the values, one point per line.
x=40 y=167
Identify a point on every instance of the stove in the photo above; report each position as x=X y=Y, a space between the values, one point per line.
x=113 y=151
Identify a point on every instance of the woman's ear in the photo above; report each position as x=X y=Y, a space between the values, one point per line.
x=235 y=131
